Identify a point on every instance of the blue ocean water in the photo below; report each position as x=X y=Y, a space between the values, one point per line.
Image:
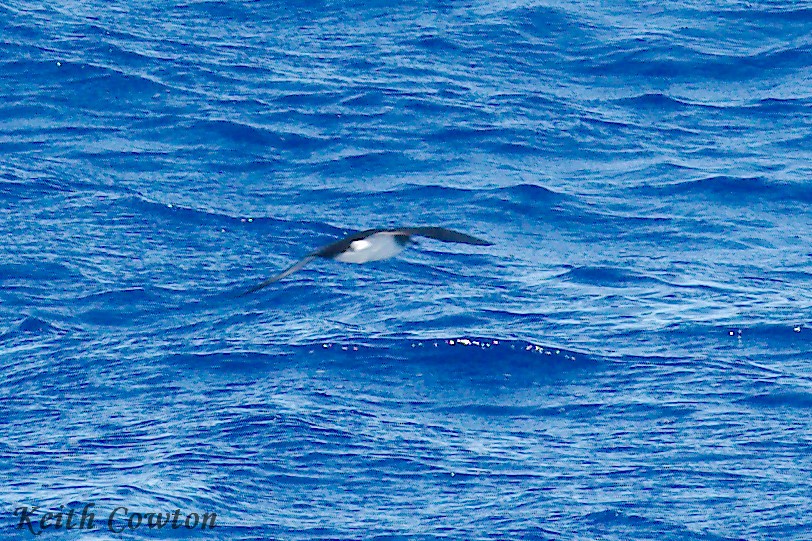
x=630 y=360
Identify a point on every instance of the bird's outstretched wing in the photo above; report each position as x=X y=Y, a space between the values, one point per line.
x=444 y=235
x=287 y=272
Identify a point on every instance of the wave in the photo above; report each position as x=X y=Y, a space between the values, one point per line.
x=629 y=524
x=427 y=349
x=798 y=399
x=229 y=131
x=662 y=102
x=32 y=327
x=17 y=185
x=608 y=276
x=733 y=189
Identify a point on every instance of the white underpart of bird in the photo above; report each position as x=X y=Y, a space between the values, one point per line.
x=373 y=248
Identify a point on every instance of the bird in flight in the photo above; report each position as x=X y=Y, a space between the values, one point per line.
x=373 y=245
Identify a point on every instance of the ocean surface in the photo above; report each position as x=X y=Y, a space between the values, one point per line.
x=630 y=360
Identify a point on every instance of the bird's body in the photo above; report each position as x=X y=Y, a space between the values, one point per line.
x=374 y=245
x=377 y=246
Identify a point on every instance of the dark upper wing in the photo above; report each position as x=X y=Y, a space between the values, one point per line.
x=335 y=248
x=444 y=235
x=287 y=272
